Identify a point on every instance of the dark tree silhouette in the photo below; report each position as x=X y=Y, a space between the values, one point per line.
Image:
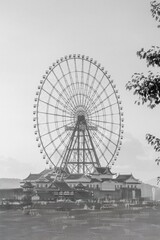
x=148 y=87
x=155 y=10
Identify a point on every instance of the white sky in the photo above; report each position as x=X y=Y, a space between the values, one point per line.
x=34 y=33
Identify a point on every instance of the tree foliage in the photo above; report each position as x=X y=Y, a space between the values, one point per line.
x=156 y=144
x=155 y=10
x=148 y=87
x=152 y=56
x=154 y=141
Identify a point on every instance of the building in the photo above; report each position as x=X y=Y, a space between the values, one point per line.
x=8 y=195
x=102 y=184
x=47 y=186
x=129 y=187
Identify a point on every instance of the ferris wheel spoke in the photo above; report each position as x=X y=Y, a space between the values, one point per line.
x=88 y=76
x=100 y=94
x=82 y=83
x=101 y=102
x=72 y=82
x=64 y=90
x=97 y=145
x=59 y=146
x=59 y=94
x=108 y=114
x=104 y=122
x=51 y=160
x=70 y=94
x=53 y=140
x=106 y=147
x=55 y=130
x=67 y=122
x=54 y=122
x=105 y=129
x=93 y=81
x=90 y=101
x=77 y=82
x=57 y=100
x=90 y=152
x=99 y=84
x=44 y=123
x=86 y=100
x=103 y=108
x=106 y=138
x=64 y=140
x=55 y=114
x=51 y=105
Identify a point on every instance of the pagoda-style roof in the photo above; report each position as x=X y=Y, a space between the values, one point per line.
x=103 y=170
x=75 y=176
x=27 y=185
x=80 y=186
x=33 y=177
x=126 y=178
x=123 y=177
x=61 y=185
x=42 y=176
x=95 y=180
x=46 y=171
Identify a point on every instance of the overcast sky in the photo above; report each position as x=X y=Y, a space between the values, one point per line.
x=34 y=33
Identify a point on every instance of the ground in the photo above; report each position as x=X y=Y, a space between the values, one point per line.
x=95 y=225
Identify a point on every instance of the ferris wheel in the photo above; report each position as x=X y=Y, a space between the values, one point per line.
x=78 y=116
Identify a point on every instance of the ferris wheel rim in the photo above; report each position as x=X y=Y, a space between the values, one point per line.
x=72 y=108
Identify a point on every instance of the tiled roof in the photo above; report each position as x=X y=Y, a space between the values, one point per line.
x=75 y=176
x=32 y=177
x=123 y=177
x=45 y=194
x=95 y=180
x=80 y=186
x=63 y=186
x=104 y=170
x=52 y=187
x=27 y=185
x=46 y=171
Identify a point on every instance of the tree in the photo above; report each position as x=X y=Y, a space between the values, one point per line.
x=155 y=10
x=148 y=87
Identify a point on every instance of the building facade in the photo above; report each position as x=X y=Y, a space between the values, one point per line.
x=102 y=184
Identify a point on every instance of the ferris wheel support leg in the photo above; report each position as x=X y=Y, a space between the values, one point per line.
x=95 y=154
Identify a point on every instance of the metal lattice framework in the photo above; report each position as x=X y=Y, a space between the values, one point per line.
x=78 y=115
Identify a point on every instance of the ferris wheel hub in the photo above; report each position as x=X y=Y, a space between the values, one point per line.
x=81 y=114
x=81 y=118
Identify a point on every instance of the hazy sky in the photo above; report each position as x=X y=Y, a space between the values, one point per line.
x=34 y=33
